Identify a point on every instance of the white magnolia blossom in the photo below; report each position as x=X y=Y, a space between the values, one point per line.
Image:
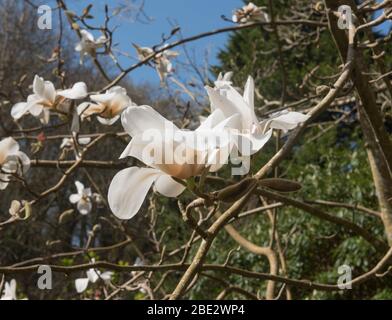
x=162 y=60
x=224 y=81
x=250 y=13
x=88 y=45
x=173 y=153
x=93 y=275
x=9 y=292
x=107 y=106
x=15 y=208
x=252 y=134
x=83 y=198
x=45 y=98
x=12 y=161
x=69 y=142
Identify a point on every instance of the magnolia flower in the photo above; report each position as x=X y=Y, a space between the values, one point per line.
x=69 y=142
x=172 y=154
x=82 y=198
x=88 y=45
x=143 y=52
x=107 y=106
x=93 y=275
x=250 y=13
x=45 y=98
x=9 y=292
x=162 y=61
x=252 y=134
x=12 y=161
x=15 y=208
x=224 y=81
x=164 y=66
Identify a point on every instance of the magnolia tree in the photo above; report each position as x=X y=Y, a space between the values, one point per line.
x=200 y=168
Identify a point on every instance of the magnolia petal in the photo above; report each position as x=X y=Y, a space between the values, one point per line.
x=249 y=144
x=44 y=117
x=25 y=161
x=4 y=181
x=128 y=190
x=79 y=187
x=84 y=206
x=39 y=86
x=8 y=146
x=168 y=187
x=106 y=276
x=249 y=93
x=84 y=141
x=78 y=91
x=35 y=109
x=75 y=197
x=108 y=122
x=138 y=119
x=86 y=35
x=222 y=103
x=247 y=111
x=19 y=110
x=44 y=89
x=288 y=121
x=92 y=274
x=211 y=121
x=81 y=284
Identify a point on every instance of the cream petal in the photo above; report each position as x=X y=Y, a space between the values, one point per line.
x=92 y=274
x=4 y=181
x=212 y=120
x=86 y=35
x=19 y=110
x=44 y=89
x=81 y=284
x=8 y=146
x=249 y=93
x=78 y=91
x=228 y=108
x=249 y=144
x=79 y=187
x=39 y=86
x=138 y=119
x=74 y=198
x=168 y=187
x=288 y=121
x=36 y=109
x=25 y=161
x=247 y=112
x=44 y=117
x=108 y=122
x=128 y=190
x=106 y=276
x=84 y=206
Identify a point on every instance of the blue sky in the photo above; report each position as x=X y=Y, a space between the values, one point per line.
x=194 y=16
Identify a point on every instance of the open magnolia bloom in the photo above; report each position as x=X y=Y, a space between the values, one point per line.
x=252 y=135
x=82 y=198
x=9 y=292
x=171 y=153
x=12 y=161
x=46 y=98
x=224 y=81
x=93 y=275
x=162 y=61
x=69 y=142
x=88 y=45
x=107 y=106
x=250 y=13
